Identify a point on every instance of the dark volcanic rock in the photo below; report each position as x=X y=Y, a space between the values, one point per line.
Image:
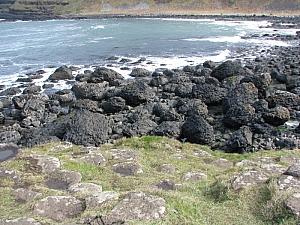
x=136 y=93
x=170 y=129
x=61 y=73
x=239 y=115
x=113 y=105
x=240 y=141
x=87 y=128
x=245 y=93
x=104 y=74
x=228 y=69
x=197 y=130
x=277 y=116
x=209 y=94
x=93 y=91
x=140 y=72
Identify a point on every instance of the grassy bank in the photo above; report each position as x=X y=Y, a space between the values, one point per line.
x=207 y=201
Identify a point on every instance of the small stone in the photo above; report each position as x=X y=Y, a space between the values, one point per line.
x=245 y=163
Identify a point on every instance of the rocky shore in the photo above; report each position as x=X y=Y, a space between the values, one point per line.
x=240 y=105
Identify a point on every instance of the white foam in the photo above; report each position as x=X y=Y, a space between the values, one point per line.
x=98 y=27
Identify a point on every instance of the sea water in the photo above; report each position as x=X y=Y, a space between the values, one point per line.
x=164 y=43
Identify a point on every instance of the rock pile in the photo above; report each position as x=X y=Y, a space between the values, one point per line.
x=232 y=106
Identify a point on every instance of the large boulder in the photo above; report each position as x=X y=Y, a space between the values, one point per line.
x=240 y=141
x=171 y=129
x=87 y=128
x=285 y=99
x=104 y=74
x=113 y=105
x=136 y=93
x=239 y=115
x=61 y=73
x=93 y=91
x=190 y=107
x=209 y=94
x=277 y=116
x=245 y=93
x=140 y=72
x=139 y=128
x=197 y=130
x=228 y=69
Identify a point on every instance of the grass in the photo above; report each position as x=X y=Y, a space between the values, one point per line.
x=208 y=201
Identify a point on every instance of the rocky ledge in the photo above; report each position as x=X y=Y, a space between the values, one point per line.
x=232 y=106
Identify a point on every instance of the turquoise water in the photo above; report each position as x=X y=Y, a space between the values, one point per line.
x=30 y=46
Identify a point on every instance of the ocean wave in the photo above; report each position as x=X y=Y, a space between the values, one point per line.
x=98 y=27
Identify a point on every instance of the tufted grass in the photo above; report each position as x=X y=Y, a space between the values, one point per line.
x=209 y=201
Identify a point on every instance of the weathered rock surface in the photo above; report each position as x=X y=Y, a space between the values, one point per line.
x=21 y=220
x=100 y=198
x=293 y=203
x=127 y=168
x=85 y=188
x=62 y=179
x=139 y=206
x=58 y=208
x=248 y=178
x=25 y=195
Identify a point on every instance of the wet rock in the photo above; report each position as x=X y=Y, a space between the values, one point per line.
x=127 y=168
x=197 y=130
x=247 y=178
x=139 y=206
x=102 y=74
x=140 y=72
x=58 y=208
x=32 y=89
x=62 y=179
x=192 y=176
x=8 y=151
x=61 y=73
x=24 y=195
x=100 y=199
x=10 y=91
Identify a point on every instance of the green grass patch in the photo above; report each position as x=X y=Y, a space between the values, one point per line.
x=208 y=201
